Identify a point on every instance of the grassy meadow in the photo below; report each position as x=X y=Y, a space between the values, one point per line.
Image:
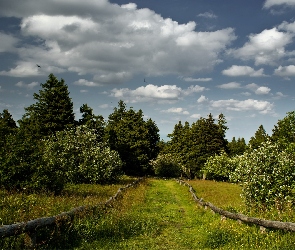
x=157 y=214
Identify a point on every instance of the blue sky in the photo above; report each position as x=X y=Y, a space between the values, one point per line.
x=175 y=60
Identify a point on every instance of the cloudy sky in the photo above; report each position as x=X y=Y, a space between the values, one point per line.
x=177 y=60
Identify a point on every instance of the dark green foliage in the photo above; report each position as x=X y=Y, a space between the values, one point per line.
x=20 y=160
x=237 y=147
x=284 y=131
x=22 y=166
x=196 y=143
x=259 y=137
x=53 y=110
x=135 y=139
x=95 y=122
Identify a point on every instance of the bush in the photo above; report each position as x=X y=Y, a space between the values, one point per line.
x=267 y=176
x=76 y=156
x=166 y=165
x=219 y=167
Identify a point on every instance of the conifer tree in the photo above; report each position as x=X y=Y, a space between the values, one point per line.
x=133 y=138
x=92 y=121
x=53 y=110
x=259 y=137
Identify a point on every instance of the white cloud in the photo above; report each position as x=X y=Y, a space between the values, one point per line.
x=267 y=47
x=262 y=91
x=230 y=85
x=271 y=3
x=28 y=86
x=83 y=82
x=236 y=70
x=285 y=71
x=190 y=79
x=153 y=92
x=177 y=111
x=23 y=69
x=104 y=106
x=207 y=15
x=195 y=116
x=112 y=42
x=202 y=99
x=263 y=107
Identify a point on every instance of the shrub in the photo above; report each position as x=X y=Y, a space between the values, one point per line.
x=76 y=156
x=266 y=175
x=219 y=167
x=166 y=165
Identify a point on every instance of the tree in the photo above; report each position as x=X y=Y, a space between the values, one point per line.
x=133 y=138
x=259 y=137
x=237 y=147
x=284 y=131
x=195 y=143
x=53 y=110
x=95 y=122
x=7 y=126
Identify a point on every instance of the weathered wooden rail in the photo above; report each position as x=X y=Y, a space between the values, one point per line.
x=31 y=227
x=289 y=226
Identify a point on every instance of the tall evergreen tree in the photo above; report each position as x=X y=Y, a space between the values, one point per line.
x=53 y=110
x=259 y=137
x=237 y=147
x=7 y=126
x=92 y=121
x=133 y=138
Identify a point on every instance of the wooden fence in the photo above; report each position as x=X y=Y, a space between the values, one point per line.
x=32 y=226
x=289 y=226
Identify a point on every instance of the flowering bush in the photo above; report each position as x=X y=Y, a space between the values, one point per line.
x=267 y=176
x=219 y=167
x=166 y=165
x=76 y=156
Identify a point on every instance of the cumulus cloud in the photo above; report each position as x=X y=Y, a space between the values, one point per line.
x=264 y=107
x=112 y=42
x=83 y=82
x=176 y=111
x=262 y=91
x=230 y=85
x=285 y=71
x=258 y=90
x=267 y=47
x=28 y=86
x=153 y=92
x=271 y=3
x=236 y=70
x=195 y=116
x=202 y=99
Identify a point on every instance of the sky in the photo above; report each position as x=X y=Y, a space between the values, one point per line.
x=176 y=60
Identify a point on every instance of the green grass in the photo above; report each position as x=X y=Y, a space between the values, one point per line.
x=164 y=216
x=161 y=214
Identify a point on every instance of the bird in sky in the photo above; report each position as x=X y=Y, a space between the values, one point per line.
x=38 y=66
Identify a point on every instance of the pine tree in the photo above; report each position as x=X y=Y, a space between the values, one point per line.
x=92 y=121
x=259 y=137
x=53 y=110
x=133 y=138
x=7 y=126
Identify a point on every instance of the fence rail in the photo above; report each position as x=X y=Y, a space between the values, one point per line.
x=32 y=226
x=289 y=226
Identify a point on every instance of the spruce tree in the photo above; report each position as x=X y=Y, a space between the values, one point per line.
x=53 y=110
x=133 y=138
x=259 y=137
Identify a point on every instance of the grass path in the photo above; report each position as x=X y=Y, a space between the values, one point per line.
x=164 y=216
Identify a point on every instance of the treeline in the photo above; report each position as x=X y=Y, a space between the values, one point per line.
x=50 y=148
